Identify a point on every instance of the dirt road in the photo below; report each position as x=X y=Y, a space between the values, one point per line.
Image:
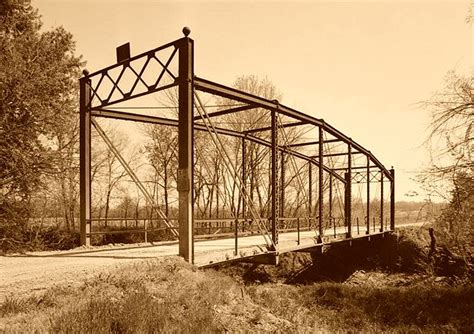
x=38 y=271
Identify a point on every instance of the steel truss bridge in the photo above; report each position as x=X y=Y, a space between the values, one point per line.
x=331 y=178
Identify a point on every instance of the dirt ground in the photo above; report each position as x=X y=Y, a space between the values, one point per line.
x=22 y=275
x=34 y=272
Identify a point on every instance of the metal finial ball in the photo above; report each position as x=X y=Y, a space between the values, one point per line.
x=85 y=72
x=186 y=31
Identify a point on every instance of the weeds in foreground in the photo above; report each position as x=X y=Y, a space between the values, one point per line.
x=13 y=305
x=341 y=306
x=171 y=296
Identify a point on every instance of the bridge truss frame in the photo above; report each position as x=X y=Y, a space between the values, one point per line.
x=188 y=84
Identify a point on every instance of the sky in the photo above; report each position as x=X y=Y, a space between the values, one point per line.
x=362 y=66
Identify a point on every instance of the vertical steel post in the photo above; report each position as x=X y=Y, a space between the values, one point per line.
x=274 y=177
x=244 y=179
x=330 y=197
x=185 y=153
x=310 y=190
x=282 y=185
x=381 y=201
x=392 y=199
x=320 y=185
x=85 y=159
x=368 y=196
x=348 y=192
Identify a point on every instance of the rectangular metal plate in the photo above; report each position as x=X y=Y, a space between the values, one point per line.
x=123 y=52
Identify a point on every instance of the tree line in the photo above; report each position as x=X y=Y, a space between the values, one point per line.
x=39 y=140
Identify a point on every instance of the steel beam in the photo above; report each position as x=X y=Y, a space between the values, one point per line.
x=336 y=154
x=235 y=94
x=185 y=152
x=353 y=167
x=85 y=160
x=368 y=197
x=268 y=128
x=232 y=93
x=312 y=143
x=381 y=201
x=244 y=179
x=348 y=192
x=330 y=198
x=225 y=112
x=274 y=178
x=126 y=116
x=310 y=186
x=392 y=199
x=320 y=185
x=282 y=185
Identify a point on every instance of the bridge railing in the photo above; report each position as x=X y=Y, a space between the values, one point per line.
x=297 y=228
x=110 y=226
x=203 y=228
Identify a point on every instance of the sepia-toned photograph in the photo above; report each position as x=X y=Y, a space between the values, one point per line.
x=236 y=166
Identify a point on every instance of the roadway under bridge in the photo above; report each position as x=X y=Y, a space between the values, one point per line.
x=319 y=185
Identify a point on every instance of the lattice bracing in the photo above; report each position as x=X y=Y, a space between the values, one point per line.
x=138 y=76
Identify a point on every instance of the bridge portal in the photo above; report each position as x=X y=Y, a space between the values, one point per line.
x=281 y=171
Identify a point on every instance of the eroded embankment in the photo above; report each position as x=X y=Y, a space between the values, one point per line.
x=402 y=258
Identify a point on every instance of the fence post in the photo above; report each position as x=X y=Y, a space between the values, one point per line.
x=298 y=228
x=146 y=232
x=236 y=236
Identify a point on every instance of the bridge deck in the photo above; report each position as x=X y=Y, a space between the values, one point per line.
x=212 y=252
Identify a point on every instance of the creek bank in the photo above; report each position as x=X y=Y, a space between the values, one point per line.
x=403 y=258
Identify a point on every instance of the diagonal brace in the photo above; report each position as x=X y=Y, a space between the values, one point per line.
x=133 y=175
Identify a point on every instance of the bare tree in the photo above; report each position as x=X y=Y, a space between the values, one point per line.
x=108 y=171
x=450 y=141
x=161 y=151
x=451 y=145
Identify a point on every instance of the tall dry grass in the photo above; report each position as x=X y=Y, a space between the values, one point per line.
x=171 y=296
